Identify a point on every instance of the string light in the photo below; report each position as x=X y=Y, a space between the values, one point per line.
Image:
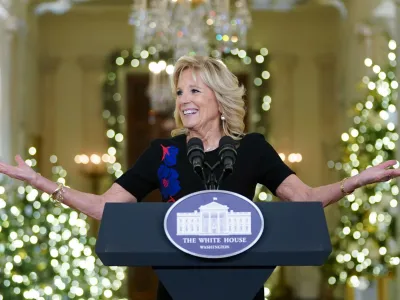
x=364 y=242
x=46 y=251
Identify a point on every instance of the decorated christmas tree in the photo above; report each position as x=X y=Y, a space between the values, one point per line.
x=45 y=249
x=363 y=243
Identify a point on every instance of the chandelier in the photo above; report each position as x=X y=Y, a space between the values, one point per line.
x=4 y=9
x=57 y=7
x=181 y=27
x=162 y=100
x=169 y=29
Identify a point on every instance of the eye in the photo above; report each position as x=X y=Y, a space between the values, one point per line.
x=179 y=93
x=195 y=91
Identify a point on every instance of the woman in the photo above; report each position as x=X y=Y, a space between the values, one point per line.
x=209 y=105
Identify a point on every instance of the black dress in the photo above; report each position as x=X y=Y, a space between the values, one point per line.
x=165 y=166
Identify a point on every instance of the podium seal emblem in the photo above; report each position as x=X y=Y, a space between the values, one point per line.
x=213 y=224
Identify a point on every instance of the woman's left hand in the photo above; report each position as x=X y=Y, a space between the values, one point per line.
x=379 y=173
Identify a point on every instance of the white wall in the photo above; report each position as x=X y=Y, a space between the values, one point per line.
x=8 y=33
x=17 y=78
x=5 y=109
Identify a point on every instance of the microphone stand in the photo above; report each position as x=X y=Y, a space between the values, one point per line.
x=204 y=178
x=211 y=181
x=223 y=175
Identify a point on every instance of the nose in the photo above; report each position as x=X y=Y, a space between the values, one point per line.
x=184 y=99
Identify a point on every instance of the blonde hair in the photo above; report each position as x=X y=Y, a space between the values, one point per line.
x=224 y=84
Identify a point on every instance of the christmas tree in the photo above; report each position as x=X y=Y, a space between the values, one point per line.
x=45 y=250
x=364 y=244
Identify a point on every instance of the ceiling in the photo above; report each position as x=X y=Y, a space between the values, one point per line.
x=254 y=4
x=89 y=2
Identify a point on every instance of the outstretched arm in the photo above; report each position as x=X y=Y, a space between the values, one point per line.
x=293 y=189
x=89 y=204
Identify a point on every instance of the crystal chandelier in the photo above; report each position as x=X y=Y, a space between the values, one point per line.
x=169 y=29
x=181 y=27
x=57 y=7
x=9 y=20
x=4 y=9
x=159 y=90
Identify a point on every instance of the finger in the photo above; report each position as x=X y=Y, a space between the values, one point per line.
x=7 y=169
x=19 y=160
x=384 y=179
x=4 y=166
x=393 y=173
x=387 y=164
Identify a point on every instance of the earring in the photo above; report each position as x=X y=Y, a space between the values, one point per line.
x=222 y=118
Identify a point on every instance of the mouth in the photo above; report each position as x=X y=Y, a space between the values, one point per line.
x=191 y=111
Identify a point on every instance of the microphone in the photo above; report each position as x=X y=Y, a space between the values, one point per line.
x=195 y=153
x=227 y=153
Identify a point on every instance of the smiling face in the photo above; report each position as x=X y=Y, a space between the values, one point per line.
x=196 y=103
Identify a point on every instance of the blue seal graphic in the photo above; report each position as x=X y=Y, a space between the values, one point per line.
x=213 y=224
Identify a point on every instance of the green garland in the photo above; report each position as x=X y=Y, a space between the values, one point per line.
x=364 y=245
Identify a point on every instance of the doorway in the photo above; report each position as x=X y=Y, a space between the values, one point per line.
x=143 y=125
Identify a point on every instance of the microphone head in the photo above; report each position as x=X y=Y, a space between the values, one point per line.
x=227 y=152
x=227 y=143
x=195 y=142
x=226 y=140
x=195 y=153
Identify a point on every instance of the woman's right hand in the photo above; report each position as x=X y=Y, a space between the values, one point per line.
x=21 y=172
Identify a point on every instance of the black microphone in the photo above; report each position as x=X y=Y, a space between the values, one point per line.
x=227 y=153
x=195 y=153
